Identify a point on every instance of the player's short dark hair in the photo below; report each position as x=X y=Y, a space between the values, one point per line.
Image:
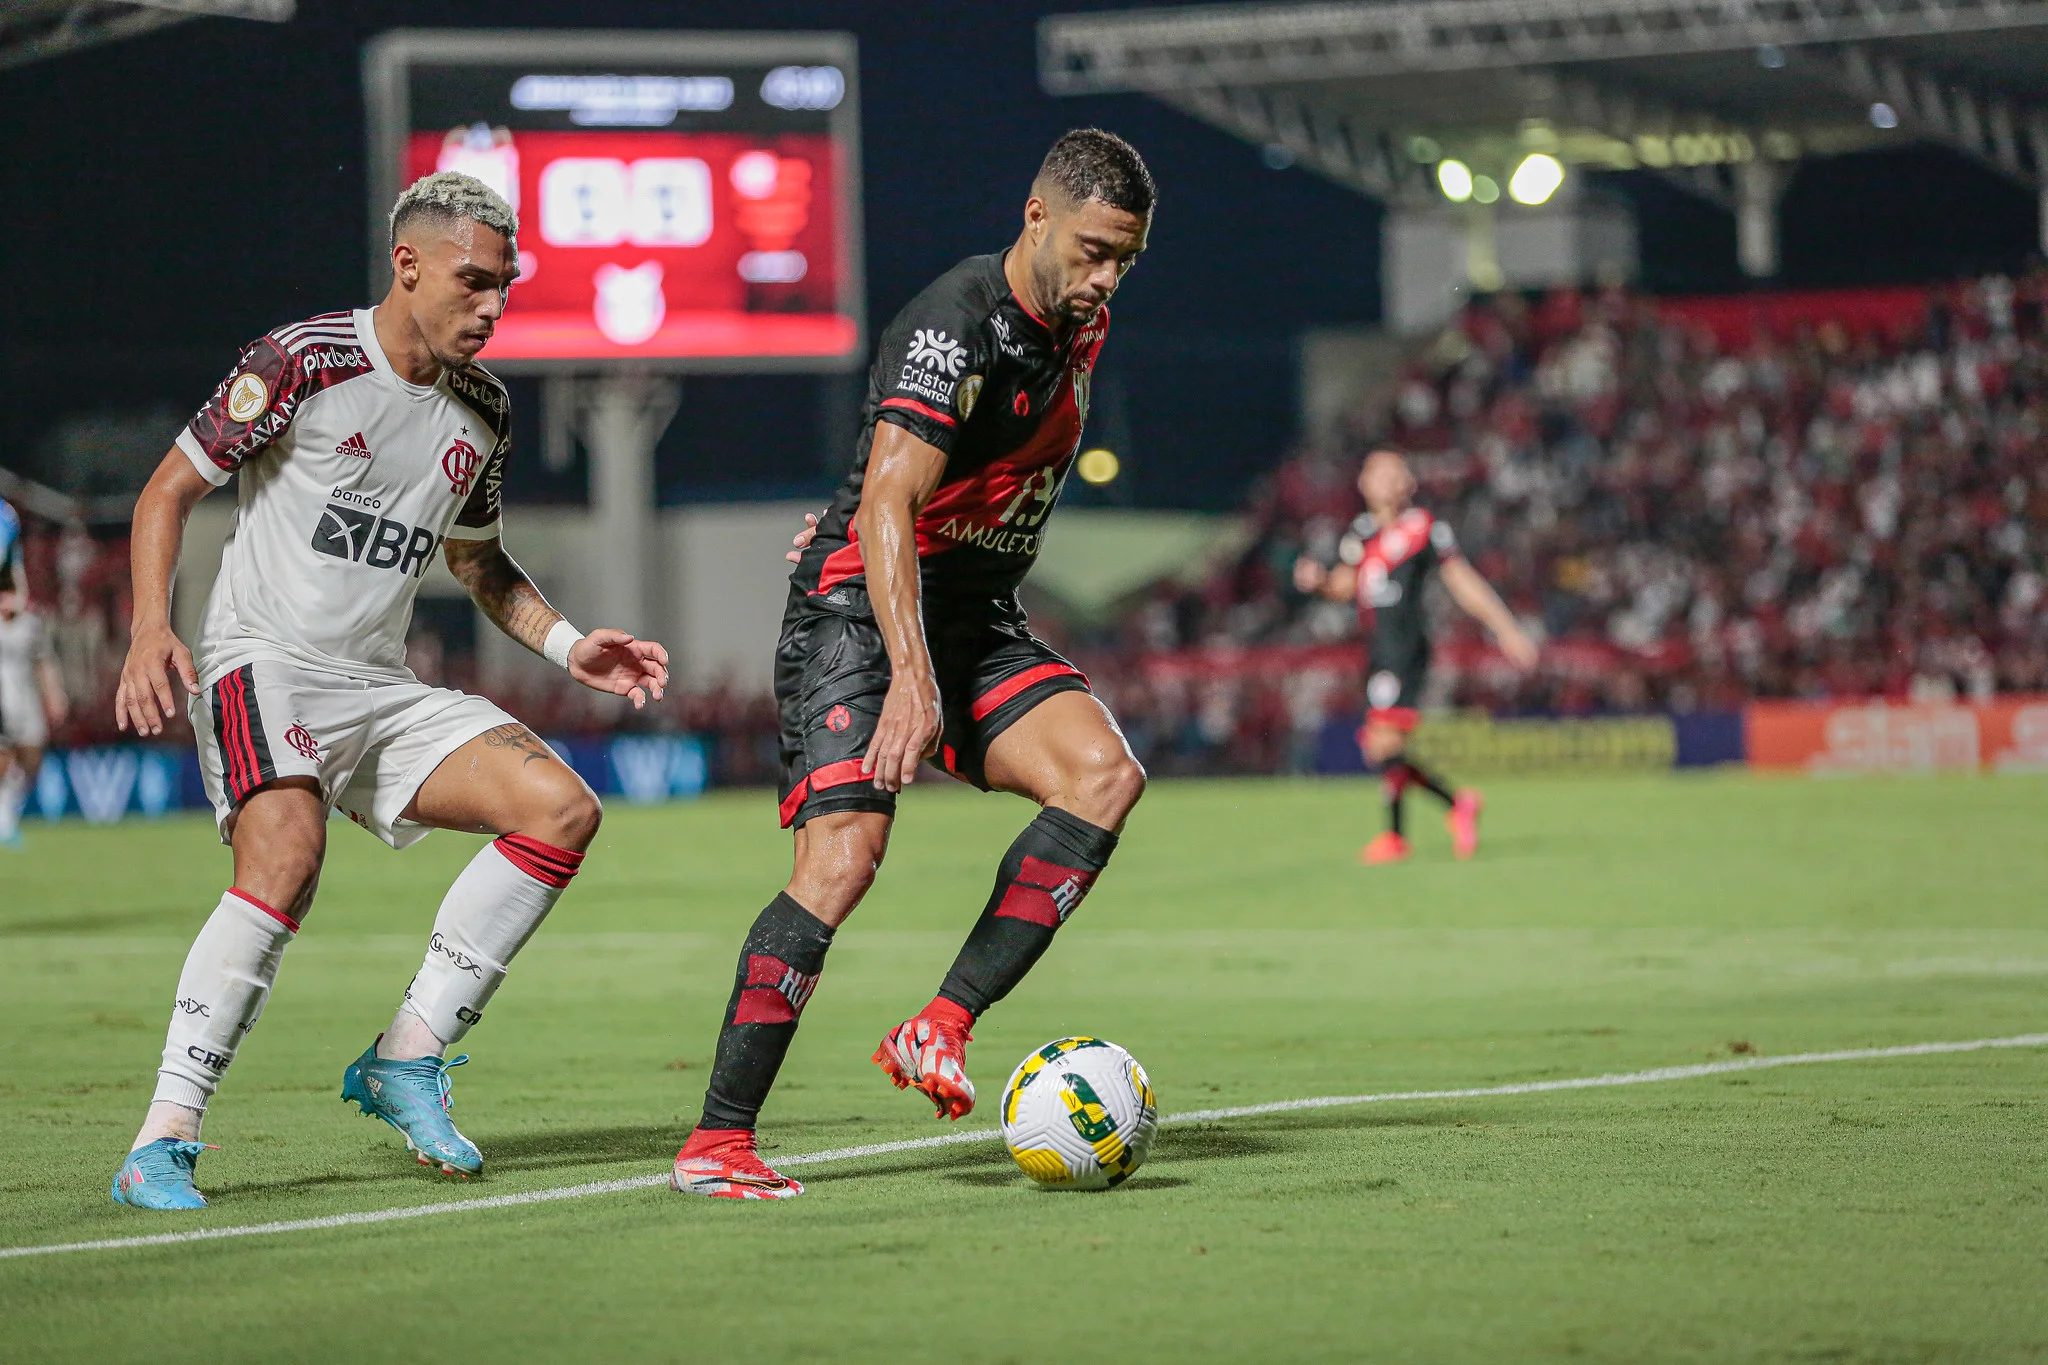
x=1089 y=163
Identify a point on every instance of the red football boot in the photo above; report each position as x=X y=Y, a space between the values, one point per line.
x=722 y=1163
x=1463 y=822
x=1388 y=847
x=928 y=1053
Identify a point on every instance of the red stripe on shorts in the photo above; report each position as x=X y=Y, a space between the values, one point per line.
x=1011 y=686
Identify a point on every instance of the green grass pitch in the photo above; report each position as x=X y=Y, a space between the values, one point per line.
x=1881 y=1211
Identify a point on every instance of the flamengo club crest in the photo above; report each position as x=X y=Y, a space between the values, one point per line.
x=301 y=739
x=460 y=464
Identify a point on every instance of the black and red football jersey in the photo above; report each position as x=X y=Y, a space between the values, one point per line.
x=969 y=369
x=1394 y=563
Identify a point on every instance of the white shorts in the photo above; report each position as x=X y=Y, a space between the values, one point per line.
x=22 y=722
x=370 y=744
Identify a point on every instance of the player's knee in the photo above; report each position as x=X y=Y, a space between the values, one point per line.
x=563 y=812
x=1108 y=788
x=837 y=859
x=1383 y=743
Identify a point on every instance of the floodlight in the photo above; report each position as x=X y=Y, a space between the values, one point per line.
x=1098 y=466
x=1454 y=178
x=1536 y=179
x=1484 y=189
x=1882 y=115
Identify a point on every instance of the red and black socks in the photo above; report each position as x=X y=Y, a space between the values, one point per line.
x=778 y=969
x=1040 y=883
x=1398 y=775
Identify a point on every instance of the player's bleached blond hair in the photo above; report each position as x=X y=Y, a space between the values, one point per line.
x=452 y=197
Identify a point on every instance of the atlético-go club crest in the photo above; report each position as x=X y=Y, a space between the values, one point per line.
x=460 y=464
x=838 y=718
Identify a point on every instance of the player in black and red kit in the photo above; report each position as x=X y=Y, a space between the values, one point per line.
x=1385 y=564
x=904 y=640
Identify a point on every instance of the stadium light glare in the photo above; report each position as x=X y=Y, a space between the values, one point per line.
x=1536 y=179
x=1454 y=178
x=1484 y=189
x=1882 y=115
x=1098 y=466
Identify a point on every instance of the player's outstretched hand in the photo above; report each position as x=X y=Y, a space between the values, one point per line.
x=613 y=661
x=803 y=539
x=145 y=697
x=1520 y=649
x=906 y=735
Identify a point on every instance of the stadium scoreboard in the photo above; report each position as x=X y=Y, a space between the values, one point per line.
x=686 y=201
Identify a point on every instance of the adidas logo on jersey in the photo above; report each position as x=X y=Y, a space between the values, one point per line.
x=356 y=446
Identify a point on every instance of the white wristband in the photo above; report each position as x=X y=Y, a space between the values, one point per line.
x=560 y=641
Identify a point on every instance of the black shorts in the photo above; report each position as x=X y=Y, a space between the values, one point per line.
x=832 y=671
x=1393 y=696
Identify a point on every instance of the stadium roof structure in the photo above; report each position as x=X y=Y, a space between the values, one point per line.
x=31 y=30
x=1720 y=96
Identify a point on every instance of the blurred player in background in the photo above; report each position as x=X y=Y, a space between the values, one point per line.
x=366 y=442
x=904 y=638
x=32 y=696
x=1385 y=563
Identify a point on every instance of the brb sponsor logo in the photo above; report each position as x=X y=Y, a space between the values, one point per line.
x=363 y=537
x=460 y=465
x=301 y=739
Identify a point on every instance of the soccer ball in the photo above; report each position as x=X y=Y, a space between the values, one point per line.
x=1078 y=1114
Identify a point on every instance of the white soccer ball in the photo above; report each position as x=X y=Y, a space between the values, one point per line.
x=1078 y=1114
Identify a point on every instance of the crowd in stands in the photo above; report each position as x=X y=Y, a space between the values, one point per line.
x=1691 y=507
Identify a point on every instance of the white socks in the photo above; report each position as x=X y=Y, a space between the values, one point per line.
x=13 y=795
x=486 y=917
x=221 y=992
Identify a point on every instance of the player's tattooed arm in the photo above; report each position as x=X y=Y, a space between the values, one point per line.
x=605 y=660
x=497 y=584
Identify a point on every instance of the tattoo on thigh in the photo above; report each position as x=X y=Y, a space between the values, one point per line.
x=520 y=738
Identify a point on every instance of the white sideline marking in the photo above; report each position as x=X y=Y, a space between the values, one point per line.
x=642 y=1182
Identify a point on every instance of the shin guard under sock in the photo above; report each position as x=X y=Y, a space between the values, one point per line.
x=221 y=992
x=778 y=969
x=486 y=917
x=1040 y=883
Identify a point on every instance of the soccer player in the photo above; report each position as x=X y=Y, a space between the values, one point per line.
x=31 y=692
x=1386 y=560
x=365 y=441
x=904 y=639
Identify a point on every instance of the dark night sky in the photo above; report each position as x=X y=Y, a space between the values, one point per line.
x=169 y=197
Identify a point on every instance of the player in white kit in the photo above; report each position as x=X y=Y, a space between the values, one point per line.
x=366 y=442
x=31 y=693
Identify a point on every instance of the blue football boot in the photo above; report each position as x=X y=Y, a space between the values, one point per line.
x=158 y=1175
x=413 y=1098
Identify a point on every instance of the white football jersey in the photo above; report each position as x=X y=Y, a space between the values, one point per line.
x=351 y=479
